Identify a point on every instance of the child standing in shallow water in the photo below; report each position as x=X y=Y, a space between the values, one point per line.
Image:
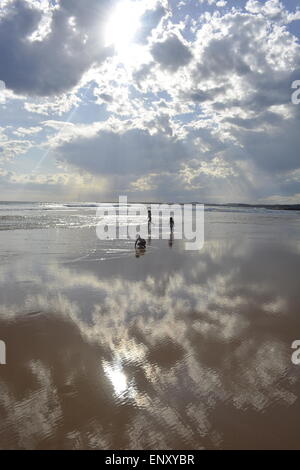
x=172 y=224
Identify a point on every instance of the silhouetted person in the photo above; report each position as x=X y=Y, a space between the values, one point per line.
x=140 y=242
x=140 y=246
x=149 y=216
x=172 y=223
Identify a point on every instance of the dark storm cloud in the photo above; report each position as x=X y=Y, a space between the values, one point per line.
x=171 y=54
x=57 y=62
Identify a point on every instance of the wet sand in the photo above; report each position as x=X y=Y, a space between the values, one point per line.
x=170 y=350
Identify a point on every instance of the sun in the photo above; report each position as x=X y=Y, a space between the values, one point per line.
x=123 y=25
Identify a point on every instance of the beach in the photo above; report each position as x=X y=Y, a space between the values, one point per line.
x=170 y=349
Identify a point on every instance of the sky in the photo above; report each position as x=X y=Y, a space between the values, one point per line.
x=157 y=100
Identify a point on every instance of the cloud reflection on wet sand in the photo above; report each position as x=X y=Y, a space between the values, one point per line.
x=195 y=355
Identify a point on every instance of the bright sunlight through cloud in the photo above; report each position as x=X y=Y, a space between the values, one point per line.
x=122 y=26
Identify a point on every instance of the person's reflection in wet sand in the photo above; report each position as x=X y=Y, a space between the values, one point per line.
x=149 y=233
x=171 y=239
x=140 y=252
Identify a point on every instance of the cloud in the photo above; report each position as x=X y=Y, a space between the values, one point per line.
x=132 y=152
x=200 y=108
x=53 y=63
x=240 y=80
x=149 y=21
x=171 y=53
x=57 y=186
x=273 y=9
x=11 y=147
x=218 y=3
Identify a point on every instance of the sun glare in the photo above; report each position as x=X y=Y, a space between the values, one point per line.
x=117 y=378
x=122 y=26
